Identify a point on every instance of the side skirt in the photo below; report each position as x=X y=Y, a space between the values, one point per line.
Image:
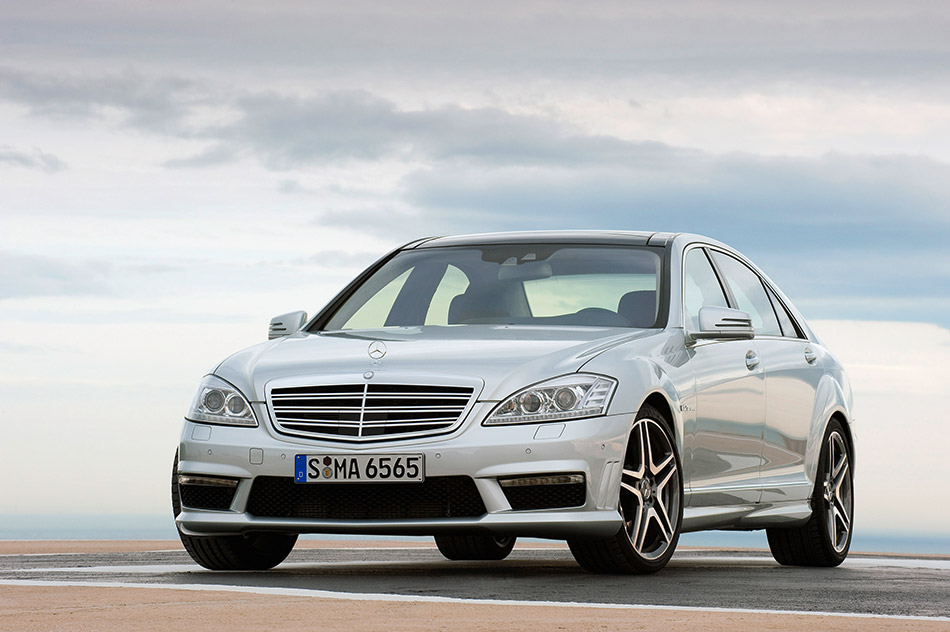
x=753 y=516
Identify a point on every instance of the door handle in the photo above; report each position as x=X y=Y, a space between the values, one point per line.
x=751 y=359
x=810 y=355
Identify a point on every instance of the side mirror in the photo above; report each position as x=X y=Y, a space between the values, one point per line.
x=723 y=323
x=286 y=324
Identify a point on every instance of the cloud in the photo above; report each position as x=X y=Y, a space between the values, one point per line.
x=843 y=235
x=880 y=222
x=152 y=104
x=691 y=38
x=31 y=275
x=287 y=133
x=32 y=159
x=835 y=201
x=18 y=348
x=894 y=391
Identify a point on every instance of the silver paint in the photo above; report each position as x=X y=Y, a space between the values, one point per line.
x=748 y=428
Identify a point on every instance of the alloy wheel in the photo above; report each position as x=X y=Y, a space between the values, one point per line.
x=650 y=490
x=838 y=496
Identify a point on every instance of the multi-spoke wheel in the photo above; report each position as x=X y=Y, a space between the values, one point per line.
x=650 y=504
x=825 y=539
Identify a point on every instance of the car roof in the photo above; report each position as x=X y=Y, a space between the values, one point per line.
x=592 y=237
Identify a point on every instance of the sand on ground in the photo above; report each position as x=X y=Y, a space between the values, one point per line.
x=30 y=608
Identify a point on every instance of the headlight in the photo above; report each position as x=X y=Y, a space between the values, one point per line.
x=217 y=402
x=568 y=397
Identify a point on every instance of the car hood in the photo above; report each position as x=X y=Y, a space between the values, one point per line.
x=505 y=358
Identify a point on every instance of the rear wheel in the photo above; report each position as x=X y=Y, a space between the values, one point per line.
x=825 y=539
x=248 y=552
x=651 y=493
x=474 y=547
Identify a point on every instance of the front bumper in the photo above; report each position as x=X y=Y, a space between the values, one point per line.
x=593 y=447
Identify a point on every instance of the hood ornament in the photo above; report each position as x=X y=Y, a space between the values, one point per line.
x=376 y=350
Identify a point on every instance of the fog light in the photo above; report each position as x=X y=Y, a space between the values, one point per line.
x=549 y=479
x=207 y=481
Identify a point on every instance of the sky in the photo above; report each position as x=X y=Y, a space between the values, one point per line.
x=174 y=174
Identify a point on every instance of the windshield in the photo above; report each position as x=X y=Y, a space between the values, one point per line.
x=530 y=284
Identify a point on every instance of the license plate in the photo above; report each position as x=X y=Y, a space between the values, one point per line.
x=363 y=468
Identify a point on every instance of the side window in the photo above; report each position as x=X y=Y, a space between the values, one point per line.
x=749 y=292
x=375 y=311
x=453 y=283
x=784 y=319
x=701 y=288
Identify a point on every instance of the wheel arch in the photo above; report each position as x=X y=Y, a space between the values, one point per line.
x=830 y=403
x=848 y=434
x=659 y=400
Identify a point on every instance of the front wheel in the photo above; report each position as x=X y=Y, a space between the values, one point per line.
x=825 y=539
x=248 y=552
x=651 y=492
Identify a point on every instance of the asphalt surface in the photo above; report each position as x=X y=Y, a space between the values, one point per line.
x=895 y=586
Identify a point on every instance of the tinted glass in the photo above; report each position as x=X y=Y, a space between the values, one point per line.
x=701 y=289
x=453 y=283
x=784 y=318
x=377 y=308
x=747 y=289
x=607 y=286
x=556 y=296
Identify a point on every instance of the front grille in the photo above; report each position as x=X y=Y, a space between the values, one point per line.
x=206 y=496
x=436 y=497
x=368 y=412
x=546 y=496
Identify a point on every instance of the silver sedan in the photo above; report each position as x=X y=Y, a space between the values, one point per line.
x=612 y=389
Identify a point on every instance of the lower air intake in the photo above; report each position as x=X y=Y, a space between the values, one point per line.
x=546 y=496
x=206 y=496
x=436 y=497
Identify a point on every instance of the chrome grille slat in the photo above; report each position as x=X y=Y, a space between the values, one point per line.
x=298 y=424
x=415 y=422
x=398 y=409
x=368 y=412
x=341 y=395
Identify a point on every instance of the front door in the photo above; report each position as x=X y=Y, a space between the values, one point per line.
x=724 y=442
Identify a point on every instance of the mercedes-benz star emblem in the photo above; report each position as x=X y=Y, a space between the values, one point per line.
x=377 y=349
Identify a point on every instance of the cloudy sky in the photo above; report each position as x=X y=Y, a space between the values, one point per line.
x=173 y=174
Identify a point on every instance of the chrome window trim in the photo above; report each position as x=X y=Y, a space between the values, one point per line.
x=712 y=264
x=729 y=297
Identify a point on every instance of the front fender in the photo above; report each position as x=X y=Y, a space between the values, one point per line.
x=642 y=376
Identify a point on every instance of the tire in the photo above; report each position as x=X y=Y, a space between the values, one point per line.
x=651 y=504
x=826 y=538
x=247 y=552
x=474 y=547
